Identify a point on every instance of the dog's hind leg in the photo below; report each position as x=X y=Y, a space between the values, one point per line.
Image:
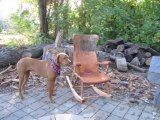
x=25 y=81
x=21 y=79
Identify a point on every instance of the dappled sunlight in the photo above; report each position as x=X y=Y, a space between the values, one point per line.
x=14 y=40
x=7 y=7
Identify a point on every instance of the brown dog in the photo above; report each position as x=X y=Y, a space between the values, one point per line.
x=47 y=69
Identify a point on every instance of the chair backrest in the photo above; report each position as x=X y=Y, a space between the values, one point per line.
x=84 y=53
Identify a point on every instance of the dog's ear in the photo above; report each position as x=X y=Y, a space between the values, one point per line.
x=57 y=59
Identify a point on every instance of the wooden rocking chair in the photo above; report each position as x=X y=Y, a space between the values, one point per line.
x=86 y=66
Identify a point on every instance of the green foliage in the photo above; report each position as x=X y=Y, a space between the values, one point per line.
x=136 y=21
x=40 y=39
x=24 y=23
x=58 y=18
x=1 y=27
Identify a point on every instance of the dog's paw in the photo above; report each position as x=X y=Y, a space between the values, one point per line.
x=22 y=97
x=52 y=101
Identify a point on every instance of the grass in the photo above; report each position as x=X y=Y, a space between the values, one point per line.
x=17 y=41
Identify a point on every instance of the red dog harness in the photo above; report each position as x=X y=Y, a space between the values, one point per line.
x=55 y=67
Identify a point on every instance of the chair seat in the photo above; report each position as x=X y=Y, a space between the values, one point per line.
x=94 y=78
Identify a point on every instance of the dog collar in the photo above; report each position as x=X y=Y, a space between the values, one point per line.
x=56 y=68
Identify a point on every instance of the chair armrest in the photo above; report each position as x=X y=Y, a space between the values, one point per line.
x=105 y=63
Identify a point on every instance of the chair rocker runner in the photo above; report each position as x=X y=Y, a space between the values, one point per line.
x=86 y=66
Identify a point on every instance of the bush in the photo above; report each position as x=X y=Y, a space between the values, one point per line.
x=136 y=21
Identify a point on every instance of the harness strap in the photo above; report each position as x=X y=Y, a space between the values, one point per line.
x=56 y=68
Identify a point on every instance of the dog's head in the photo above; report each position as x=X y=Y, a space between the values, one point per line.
x=62 y=59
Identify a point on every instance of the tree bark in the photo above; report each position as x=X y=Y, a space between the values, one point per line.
x=35 y=52
x=9 y=57
x=42 y=4
x=59 y=38
x=12 y=56
x=56 y=17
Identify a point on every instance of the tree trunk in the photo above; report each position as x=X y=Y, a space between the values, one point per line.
x=9 y=57
x=56 y=17
x=43 y=16
x=59 y=38
x=12 y=56
x=35 y=52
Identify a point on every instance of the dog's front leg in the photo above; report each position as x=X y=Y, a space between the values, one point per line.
x=54 y=87
x=51 y=88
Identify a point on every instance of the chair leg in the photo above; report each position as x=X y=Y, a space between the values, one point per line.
x=75 y=82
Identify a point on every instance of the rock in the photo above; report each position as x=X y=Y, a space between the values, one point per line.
x=128 y=44
x=148 y=54
x=128 y=58
x=100 y=48
x=135 y=61
x=148 y=61
x=113 y=52
x=133 y=50
x=120 y=48
x=141 y=54
x=107 y=49
x=142 y=61
x=121 y=62
x=154 y=70
x=156 y=100
x=102 y=56
x=113 y=43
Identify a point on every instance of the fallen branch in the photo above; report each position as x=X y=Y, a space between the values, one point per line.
x=7 y=81
x=13 y=69
x=10 y=80
x=15 y=80
x=6 y=70
x=136 y=67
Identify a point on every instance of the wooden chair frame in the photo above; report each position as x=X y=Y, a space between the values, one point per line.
x=82 y=85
